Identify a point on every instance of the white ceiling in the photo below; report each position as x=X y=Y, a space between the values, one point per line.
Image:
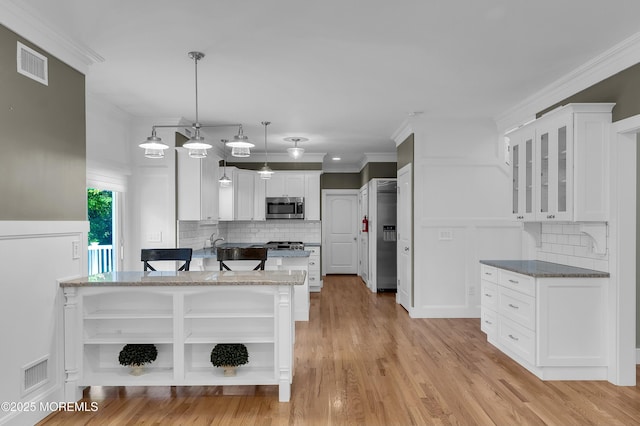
x=343 y=73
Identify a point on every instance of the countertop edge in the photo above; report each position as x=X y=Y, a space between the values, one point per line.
x=569 y=271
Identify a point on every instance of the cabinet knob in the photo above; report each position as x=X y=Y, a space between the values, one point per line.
x=488 y=295
x=551 y=216
x=513 y=306
x=406 y=249
x=519 y=217
x=514 y=281
x=512 y=337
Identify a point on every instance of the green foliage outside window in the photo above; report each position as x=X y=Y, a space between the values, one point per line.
x=99 y=204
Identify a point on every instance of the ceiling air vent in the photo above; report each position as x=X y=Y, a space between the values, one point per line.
x=35 y=375
x=32 y=64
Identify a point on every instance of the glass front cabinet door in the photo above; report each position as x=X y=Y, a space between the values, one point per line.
x=522 y=151
x=554 y=169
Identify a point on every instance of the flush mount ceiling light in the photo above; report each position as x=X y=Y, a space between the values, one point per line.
x=295 y=151
x=224 y=181
x=265 y=172
x=196 y=145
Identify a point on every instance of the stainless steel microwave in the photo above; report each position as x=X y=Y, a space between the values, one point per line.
x=285 y=208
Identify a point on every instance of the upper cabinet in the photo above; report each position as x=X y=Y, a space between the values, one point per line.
x=244 y=199
x=284 y=184
x=559 y=165
x=197 y=187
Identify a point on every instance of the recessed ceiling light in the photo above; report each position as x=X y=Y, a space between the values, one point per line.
x=336 y=158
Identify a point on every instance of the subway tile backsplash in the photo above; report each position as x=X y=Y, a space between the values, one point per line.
x=194 y=234
x=564 y=243
x=306 y=231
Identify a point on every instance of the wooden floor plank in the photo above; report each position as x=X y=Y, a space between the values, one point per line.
x=361 y=360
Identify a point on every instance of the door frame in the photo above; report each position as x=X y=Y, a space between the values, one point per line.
x=325 y=227
x=407 y=170
x=622 y=258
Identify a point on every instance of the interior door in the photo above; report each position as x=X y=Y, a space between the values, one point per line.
x=340 y=223
x=404 y=295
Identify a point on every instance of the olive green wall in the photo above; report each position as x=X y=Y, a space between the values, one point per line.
x=637 y=241
x=377 y=170
x=276 y=166
x=405 y=152
x=42 y=140
x=622 y=88
x=340 y=181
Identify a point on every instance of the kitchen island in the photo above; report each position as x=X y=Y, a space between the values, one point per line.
x=277 y=260
x=184 y=314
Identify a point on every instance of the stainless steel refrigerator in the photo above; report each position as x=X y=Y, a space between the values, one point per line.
x=385 y=223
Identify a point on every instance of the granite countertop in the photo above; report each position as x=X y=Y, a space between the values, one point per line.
x=210 y=253
x=188 y=278
x=540 y=269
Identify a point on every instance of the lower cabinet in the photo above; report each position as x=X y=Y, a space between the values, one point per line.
x=554 y=327
x=184 y=323
x=315 y=278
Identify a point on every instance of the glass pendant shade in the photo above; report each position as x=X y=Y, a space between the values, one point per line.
x=225 y=181
x=154 y=153
x=240 y=152
x=198 y=153
x=295 y=152
x=265 y=172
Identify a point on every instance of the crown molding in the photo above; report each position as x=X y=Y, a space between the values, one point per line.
x=617 y=58
x=402 y=132
x=24 y=21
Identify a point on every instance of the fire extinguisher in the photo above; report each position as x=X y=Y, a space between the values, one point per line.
x=365 y=224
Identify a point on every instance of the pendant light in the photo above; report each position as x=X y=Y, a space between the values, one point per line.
x=240 y=145
x=265 y=172
x=225 y=181
x=153 y=147
x=196 y=145
x=295 y=152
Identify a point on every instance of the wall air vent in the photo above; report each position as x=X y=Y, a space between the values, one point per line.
x=35 y=375
x=32 y=64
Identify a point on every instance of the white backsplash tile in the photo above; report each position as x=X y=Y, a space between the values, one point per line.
x=193 y=233
x=564 y=243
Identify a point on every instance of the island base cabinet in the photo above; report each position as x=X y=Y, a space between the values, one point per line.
x=184 y=323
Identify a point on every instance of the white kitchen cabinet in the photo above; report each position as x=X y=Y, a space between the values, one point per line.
x=559 y=165
x=244 y=199
x=286 y=184
x=315 y=278
x=522 y=153
x=555 y=327
x=312 y=196
x=197 y=187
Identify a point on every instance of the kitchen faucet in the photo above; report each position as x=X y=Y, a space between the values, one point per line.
x=213 y=242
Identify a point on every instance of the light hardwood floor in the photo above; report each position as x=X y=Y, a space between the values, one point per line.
x=361 y=360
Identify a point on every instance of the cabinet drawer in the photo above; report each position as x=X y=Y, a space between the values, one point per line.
x=314 y=263
x=518 y=307
x=488 y=321
x=488 y=273
x=489 y=295
x=517 y=339
x=315 y=250
x=517 y=282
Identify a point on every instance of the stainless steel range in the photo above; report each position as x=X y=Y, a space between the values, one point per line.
x=285 y=245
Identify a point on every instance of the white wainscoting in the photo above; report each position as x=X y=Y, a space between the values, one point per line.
x=447 y=267
x=34 y=256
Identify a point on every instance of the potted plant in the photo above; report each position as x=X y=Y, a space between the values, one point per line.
x=229 y=356
x=136 y=355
